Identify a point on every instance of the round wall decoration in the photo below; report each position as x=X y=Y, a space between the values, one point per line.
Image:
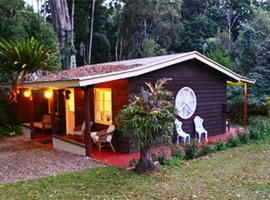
x=186 y=102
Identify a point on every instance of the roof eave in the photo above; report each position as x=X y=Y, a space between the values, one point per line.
x=51 y=84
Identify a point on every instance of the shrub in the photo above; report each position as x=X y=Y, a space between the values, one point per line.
x=232 y=141
x=177 y=151
x=161 y=158
x=205 y=150
x=4 y=131
x=243 y=137
x=174 y=161
x=254 y=133
x=219 y=145
x=191 y=150
x=259 y=127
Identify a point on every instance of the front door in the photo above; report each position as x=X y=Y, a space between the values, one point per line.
x=70 y=110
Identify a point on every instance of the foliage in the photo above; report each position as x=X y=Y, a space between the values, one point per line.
x=191 y=150
x=150 y=115
x=222 y=58
x=18 y=22
x=243 y=137
x=219 y=145
x=21 y=59
x=259 y=128
x=162 y=157
x=232 y=141
x=148 y=48
x=196 y=30
x=8 y=123
x=174 y=161
x=138 y=20
x=177 y=151
x=251 y=52
x=205 y=150
x=104 y=30
x=266 y=104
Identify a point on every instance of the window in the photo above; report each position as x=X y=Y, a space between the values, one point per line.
x=103 y=105
x=186 y=102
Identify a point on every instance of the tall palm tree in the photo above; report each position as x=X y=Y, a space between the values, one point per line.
x=24 y=58
x=150 y=115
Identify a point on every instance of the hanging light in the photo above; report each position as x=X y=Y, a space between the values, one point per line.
x=48 y=94
x=27 y=93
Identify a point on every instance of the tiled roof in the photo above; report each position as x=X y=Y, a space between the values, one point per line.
x=103 y=72
x=102 y=68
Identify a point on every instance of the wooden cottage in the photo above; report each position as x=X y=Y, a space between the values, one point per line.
x=98 y=92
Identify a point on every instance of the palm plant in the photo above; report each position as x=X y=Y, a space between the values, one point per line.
x=20 y=59
x=150 y=116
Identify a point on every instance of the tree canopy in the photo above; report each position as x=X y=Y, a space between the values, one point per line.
x=233 y=33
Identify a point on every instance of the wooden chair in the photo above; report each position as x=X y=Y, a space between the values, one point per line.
x=104 y=137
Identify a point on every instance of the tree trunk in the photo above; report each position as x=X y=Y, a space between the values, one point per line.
x=91 y=31
x=145 y=164
x=62 y=25
x=73 y=63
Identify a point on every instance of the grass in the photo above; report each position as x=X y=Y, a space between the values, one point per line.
x=237 y=173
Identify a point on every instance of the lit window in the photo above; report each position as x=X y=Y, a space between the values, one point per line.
x=103 y=106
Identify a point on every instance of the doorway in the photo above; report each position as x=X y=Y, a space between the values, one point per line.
x=70 y=110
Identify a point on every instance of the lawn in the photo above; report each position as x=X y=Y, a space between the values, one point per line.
x=236 y=173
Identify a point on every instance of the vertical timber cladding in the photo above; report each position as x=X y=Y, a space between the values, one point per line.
x=119 y=94
x=40 y=104
x=208 y=84
x=119 y=99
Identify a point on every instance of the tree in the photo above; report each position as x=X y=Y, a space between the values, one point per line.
x=140 y=19
x=222 y=58
x=18 y=22
x=63 y=26
x=103 y=31
x=21 y=60
x=148 y=48
x=252 y=53
x=194 y=34
x=150 y=115
x=91 y=31
x=237 y=13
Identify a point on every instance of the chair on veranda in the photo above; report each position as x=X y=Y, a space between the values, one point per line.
x=104 y=137
x=200 y=130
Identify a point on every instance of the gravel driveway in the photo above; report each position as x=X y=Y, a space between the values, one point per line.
x=22 y=159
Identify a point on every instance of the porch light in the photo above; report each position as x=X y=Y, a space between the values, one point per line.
x=27 y=93
x=48 y=94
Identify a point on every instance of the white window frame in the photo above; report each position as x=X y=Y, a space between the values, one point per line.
x=95 y=108
x=177 y=102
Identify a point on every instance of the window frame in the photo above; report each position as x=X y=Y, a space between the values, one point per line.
x=95 y=110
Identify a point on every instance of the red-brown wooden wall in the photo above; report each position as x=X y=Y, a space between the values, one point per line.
x=119 y=99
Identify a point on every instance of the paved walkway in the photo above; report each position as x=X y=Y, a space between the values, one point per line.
x=22 y=159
